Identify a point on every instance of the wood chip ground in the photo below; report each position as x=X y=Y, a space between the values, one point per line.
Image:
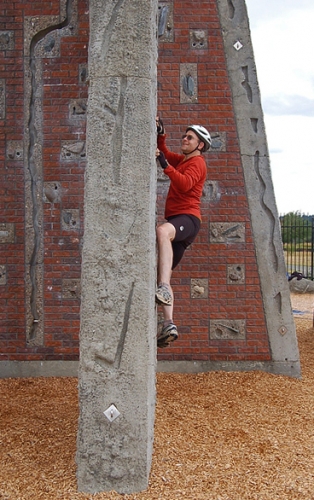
x=218 y=436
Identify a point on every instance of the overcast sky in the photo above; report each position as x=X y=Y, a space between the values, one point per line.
x=283 y=41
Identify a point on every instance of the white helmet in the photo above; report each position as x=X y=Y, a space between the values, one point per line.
x=202 y=134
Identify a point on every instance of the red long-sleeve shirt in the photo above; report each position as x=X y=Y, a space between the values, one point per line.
x=187 y=180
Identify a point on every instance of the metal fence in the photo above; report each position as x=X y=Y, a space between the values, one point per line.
x=297 y=232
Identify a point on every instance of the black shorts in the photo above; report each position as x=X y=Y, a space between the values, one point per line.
x=187 y=228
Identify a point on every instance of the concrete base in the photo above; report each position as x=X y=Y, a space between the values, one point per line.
x=24 y=369
x=29 y=369
x=289 y=369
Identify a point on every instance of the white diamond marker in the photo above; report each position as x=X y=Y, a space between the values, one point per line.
x=238 y=45
x=112 y=413
x=282 y=330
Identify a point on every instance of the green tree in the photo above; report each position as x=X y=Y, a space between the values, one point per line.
x=296 y=228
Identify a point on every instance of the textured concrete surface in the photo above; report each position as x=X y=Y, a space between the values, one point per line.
x=259 y=187
x=118 y=323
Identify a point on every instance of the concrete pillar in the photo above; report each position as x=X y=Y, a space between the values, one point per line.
x=259 y=187
x=118 y=323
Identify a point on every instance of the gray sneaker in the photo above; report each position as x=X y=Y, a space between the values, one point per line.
x=168 y=334
x=163 y=295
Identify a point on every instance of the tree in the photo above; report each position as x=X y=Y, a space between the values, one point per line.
x=296 y=228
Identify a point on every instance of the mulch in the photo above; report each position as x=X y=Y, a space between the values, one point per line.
x=218 y=436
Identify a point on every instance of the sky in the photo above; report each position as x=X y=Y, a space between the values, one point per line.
x=282 y=34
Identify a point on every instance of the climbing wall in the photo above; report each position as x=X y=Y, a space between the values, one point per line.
x=43 y=88
x=232 y=304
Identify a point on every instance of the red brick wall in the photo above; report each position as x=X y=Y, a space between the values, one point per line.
x=12 y=310
x=207 y=260
x=61 y=85
x=62 y=89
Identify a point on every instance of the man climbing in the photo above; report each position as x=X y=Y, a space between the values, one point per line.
x=187 y=174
